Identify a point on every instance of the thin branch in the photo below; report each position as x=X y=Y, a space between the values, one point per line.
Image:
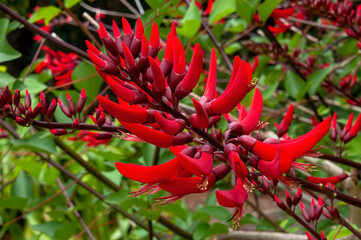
x=34 y=59
x=263 y=215
x=131 y=8
x=76 y=213
x=42 y=33
x=327 y=191
x=81 y=183
x=80 y=24
x=107 y=12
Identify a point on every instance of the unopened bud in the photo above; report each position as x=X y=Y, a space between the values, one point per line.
x=51 y=109
x=27 y=100
x=44 y=104
x=71 y=105
x=21 y=121
x=305 y=214
x=75 y=124
x=288 y=199
x=64 y=108
x=297 y=197
x=7 y=96
x=58 y=131
x=81 y=101
x=100 y=135
x=16 y=97
x=36 y=110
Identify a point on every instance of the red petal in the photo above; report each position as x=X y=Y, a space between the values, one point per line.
x=150 y=174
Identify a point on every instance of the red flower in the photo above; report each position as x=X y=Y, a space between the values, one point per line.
x=234 y=198
x=61 y=65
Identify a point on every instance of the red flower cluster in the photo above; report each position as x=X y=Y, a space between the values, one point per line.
x=61 y=65
x=149 y=90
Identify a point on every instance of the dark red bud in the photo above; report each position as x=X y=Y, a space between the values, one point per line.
x=81 y=101
x=7 y=96
x=288 y=199
x=58 y=131
x=21 y=108
x=305 y=214
x=71 y=105
x=16 y=97
x=280 y=204
x=51 y=109
x=43 y=102
x=100 y=135
x=64 y=108
x=101 y=119
x=27 y=100
x=21 y=121
x=297 y=197
x=36 y=110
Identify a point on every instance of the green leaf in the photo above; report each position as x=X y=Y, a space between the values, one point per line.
x=316 y=78
x=33 y=84
x=191 y=21
x=245 y=9
x=155 y=4
x=216 y=228
x=176 y=210
x=49 y=175
x=40 y=142
x=219 y=213
x=200 y=230
x=13 y=203
x=340 y=234
x=221 y=9
x=266 y=8
x=46 y=13
x=293 y=84
x=150 y=214
x=22 y=186
x=92 y=84
x=6 y=79
x=65 y=231
x=70 y=3
x=233 y=48
x=49 y=228
x=7 y=53
x=28 y=165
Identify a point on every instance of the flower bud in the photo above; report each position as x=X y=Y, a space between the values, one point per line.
x=288 y=199
x=64 y=108
x=51 y=109
x=58 y=131
x=16 y=97
x=305 y=214
x=71 y=105
x=81 y=101
x=27 y=100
